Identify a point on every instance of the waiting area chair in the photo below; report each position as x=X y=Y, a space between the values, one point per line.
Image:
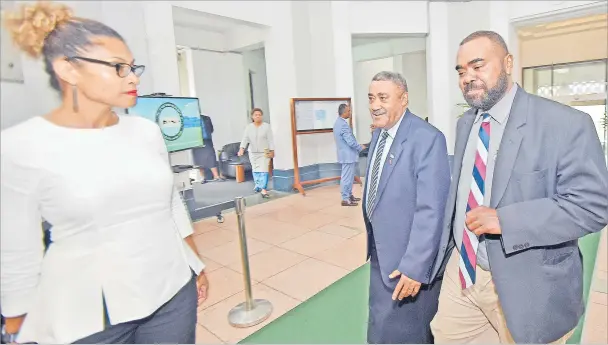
x=229 y=160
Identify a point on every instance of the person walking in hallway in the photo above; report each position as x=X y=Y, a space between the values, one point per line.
x=530 y=179
x=404 y=201
x=258 y=137
x=348 y=154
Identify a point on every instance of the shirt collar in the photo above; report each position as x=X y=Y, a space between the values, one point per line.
x=500 y=111
x=392 y=132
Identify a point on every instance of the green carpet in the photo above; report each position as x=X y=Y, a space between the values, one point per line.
x=588 y=246
x=338 y=314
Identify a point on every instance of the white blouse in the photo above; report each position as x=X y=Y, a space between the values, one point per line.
x=118 y=227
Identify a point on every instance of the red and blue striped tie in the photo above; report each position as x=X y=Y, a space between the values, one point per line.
x=470 y=242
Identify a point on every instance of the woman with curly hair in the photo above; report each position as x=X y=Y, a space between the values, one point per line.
x=122 y=267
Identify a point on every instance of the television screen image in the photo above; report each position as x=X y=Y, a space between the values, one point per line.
x=177 y=117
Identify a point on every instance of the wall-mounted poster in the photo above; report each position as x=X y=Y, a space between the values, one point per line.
x=178 y=119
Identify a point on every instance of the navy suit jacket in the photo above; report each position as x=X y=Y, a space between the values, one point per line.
x=407 y=218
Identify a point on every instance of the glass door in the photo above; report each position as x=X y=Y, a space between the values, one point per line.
x=581 y=85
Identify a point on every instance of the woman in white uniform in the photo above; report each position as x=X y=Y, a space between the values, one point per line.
x=122 y=267
x=258 y=136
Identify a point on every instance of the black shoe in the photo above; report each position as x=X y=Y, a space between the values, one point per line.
x=349 y=203
x=353 y=199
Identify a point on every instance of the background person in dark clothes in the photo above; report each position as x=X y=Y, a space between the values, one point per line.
x=205 y=157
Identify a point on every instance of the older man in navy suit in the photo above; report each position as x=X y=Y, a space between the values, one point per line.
x=404 y=201
x=348 y=155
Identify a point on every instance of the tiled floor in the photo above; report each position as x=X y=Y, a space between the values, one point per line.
x=300 y=245
x=297 y=247
x=595 y=330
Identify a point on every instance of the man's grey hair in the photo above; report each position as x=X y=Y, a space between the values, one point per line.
x=491 y=35
x=342 y=108
x=395 y=77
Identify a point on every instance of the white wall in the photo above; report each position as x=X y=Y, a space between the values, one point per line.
x=255 y=62
x=259 y=12
x=192 y=38
x=413 y=69
x=388 y=47
x=373 y=17
x=220 y=87
x=364 y=72
x=13 y=104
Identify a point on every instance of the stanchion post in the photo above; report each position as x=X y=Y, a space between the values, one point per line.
x=251 y=312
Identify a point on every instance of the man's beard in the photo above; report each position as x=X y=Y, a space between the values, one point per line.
x=491 y=96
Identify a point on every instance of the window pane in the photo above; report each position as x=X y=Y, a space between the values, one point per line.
x=580 y=81
x=537 y=81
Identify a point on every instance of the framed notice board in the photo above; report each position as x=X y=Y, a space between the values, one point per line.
x=311 y=116
x=316 y=115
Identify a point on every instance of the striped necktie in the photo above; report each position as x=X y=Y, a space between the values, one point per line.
x=470 y=242
x=373 y=185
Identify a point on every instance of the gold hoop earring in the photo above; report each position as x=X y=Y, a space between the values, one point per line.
x=75 y=98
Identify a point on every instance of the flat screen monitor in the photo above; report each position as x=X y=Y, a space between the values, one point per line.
x=177 y=117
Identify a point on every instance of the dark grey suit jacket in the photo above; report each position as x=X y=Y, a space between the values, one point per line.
x=550 y=188
x=408 y=214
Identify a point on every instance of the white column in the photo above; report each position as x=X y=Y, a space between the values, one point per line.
x=127 y=18
x=499 y=18
x=343 y=52
x=281 y=75
x=158 y=18
x=439 y=67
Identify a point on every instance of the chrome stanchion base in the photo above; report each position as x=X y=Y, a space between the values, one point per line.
x=240 y=317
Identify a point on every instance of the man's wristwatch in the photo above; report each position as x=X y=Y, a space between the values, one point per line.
x=8 y=338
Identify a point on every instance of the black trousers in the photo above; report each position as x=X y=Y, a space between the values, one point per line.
x=172 y=323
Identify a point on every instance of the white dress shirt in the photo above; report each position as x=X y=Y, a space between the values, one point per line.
x=118 y=227
x=392 y=132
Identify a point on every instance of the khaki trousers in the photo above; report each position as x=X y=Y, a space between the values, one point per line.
x=472 y=316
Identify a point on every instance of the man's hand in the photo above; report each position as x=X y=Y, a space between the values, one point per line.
x=483 y=220
x=241 y=152
x=363 y=146
x=406 y=286
x=202 y=286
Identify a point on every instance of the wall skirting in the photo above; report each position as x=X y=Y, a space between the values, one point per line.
x=282 y=180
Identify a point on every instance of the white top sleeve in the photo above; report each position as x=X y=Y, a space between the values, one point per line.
x=21 y=243
x=180 y=213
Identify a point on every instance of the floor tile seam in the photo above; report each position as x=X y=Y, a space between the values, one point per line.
x=290 y=267
x=231 y=295
x=208 y=330
x=250 y=254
